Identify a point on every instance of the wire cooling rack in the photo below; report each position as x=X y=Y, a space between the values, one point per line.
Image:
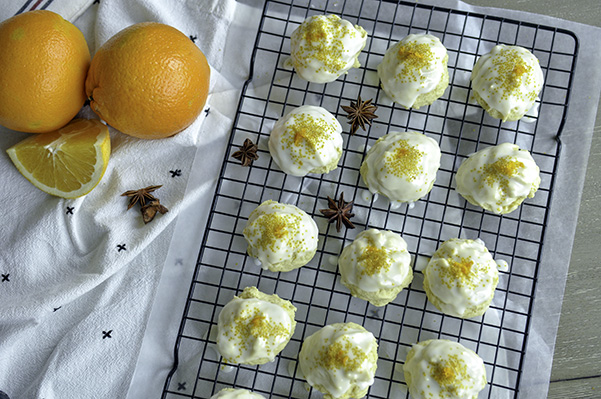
x=459 y=125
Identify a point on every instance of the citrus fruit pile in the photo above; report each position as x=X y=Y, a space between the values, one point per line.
x=149 y=81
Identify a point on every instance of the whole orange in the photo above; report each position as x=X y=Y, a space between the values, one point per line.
x=43 y=65
x=148 y=80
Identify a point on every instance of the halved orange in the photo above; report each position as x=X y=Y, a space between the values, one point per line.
x=68 y=162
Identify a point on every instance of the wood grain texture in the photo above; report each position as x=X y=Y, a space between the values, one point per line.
x=587 y=388
x=583 y=11
x=578 y=345
x=576 y=370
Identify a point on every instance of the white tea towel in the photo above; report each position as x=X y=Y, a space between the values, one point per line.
x=79 y=276
x=68 y=9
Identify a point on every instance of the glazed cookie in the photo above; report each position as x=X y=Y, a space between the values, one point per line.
x=324 y=47
x=376 y=266
x=414 y=71
x=340 y=360
x=498 y=178
x=401 y=166
x=461 y=277
x=281 y=237
x=506 y=82
x=254 y=327
x=231 y=393
x=306 y=140
x=442 y=369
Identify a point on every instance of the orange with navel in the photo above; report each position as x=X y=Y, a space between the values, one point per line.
x=44 y=60
x=148 y=81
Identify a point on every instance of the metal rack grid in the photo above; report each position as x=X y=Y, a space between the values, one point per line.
x=460 y=127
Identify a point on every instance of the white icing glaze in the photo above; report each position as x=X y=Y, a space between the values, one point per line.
x=324 y=47
x=443 y=369
x=229 y=393
x=226 y=368
x=402 y=166
x=412 y=67
x=462 y=274
x=498 y=178
x=502 y=265
x=356 y=269
x=297 y=231
x=325 y=371
x=306 y=140
x=251 y=329
x=532 y=114
x=508 y=79
x=394 y=205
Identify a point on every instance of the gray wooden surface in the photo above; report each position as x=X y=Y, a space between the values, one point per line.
x=577 y=361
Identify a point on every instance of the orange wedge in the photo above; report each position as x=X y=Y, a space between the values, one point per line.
x=68 y=162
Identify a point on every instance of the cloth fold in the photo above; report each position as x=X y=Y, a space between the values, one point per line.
x=78 y=313
x=81 y=274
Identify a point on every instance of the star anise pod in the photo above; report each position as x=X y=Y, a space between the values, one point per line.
x=340 y=212
x=150 y=210
x=140 y=196
x=360 y=113
x=247 y=153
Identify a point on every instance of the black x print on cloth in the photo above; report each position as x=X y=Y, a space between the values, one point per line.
x=207 y=111
x=70 y=210
x=176 y=172
x=55 y=309
x=121 y=247
x=193 y=38
x=181 y=386
x=107 y=334
x=5 y=277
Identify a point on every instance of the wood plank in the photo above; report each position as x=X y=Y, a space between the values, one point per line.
x=584 y=11
x=587 y=388
x=578 y=345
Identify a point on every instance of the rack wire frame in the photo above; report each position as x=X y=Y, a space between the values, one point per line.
x=460 y=126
